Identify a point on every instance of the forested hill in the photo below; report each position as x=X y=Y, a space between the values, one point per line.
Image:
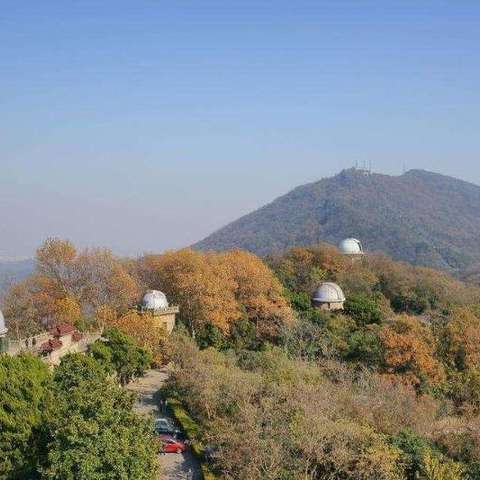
x=420 y=217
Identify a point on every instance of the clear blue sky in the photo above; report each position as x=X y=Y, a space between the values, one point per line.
x=145 y=125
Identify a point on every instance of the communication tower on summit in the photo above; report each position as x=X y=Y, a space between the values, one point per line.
x=365 y=169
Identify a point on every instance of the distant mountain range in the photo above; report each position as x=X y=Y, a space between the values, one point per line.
x=12 y=271
x=420 y=217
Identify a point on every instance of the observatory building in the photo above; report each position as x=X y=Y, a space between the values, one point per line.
x=156 y=303
x=351 y=246
x=328 y=296
x=3 y=334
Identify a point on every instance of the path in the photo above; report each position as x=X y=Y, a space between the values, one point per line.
x=174 y=466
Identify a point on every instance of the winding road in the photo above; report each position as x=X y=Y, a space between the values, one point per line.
x=173 y=466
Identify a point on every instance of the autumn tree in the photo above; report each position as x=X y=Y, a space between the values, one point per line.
x=461 y=339
x=145 y=329
x=257 y=292
x=409 y=351
x=69 y=285
x=193 y=281
x=302 y=268
x=218 y=289
x=21 y=311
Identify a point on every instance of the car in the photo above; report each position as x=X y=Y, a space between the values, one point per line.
x=171 y=444
x=166 y=426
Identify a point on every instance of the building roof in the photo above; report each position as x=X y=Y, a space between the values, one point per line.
x=77 y=336
x=154 y=300
x=328 y=292
x=62 y=329
x=51 y=345
x=3 y=327
x=351 y=246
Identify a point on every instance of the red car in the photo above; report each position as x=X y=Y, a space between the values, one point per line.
x=171 y=445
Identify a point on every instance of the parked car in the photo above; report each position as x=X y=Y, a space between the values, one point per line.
x=171 y=444
x=164 y=425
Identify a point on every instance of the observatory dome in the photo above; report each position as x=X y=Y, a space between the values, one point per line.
x=351 y=246
x=328 y=292
x=154 y=300
x=3 y=328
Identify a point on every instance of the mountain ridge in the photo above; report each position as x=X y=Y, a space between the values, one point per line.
x=421 y=217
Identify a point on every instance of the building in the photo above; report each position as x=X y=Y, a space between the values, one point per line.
x=66 y=333
x=64 y=338
x=3 y=334
x=52 y=345
x=328 y=296
x=156 y=303
x=351 y=246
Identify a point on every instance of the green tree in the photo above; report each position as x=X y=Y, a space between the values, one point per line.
x=24 y=384
x=128 y=359
x=363 y=309
x=94 y=433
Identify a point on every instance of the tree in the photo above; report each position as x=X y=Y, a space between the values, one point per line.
x=145 y=329
x=258 y=293
x=127 y=358
x=409 y=351
x=363 y=309
x=219 y=289
x=69 y=286
x=24 y=393
x=193 y=281
x=21 y=311
x=94 y=433
x=437 y=467
x=461 y=339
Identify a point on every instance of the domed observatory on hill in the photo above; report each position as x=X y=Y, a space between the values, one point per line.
x=3 y=334
x=351 y=246
x=156 y=303
x=328 y=296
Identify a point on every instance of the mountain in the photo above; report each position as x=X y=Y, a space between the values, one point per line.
x=12 y=271
x=420 y=217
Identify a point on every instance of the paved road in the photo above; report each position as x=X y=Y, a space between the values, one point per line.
x=174 y=466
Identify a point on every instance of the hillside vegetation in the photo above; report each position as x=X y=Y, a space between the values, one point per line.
x=388 y=388
x=420 y=217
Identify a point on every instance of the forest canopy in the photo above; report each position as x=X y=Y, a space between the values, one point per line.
x=387 y=388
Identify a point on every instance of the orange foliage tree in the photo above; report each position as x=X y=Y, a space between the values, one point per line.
x=257 y=291
x=68 y=285
x=409 y=351
x=145 y=329
x=218 y=288
x=462 y=339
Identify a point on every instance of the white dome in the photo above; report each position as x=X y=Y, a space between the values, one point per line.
x=351 y=246
x=328 y=292
x=3 y=328
x=154 y=300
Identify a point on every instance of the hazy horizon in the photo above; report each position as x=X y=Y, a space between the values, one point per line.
x=145 y=126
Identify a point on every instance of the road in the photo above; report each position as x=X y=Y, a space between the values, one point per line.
x=174 y=466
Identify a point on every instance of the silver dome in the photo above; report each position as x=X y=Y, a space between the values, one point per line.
x=328 y=292
x=154 y=300
x=3 y=328
x=351 y=246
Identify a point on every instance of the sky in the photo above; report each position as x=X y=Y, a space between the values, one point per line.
x=146 y=125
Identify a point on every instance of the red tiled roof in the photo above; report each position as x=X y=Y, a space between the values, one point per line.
x=51 y=345
x=62 y=329
x=77 y=336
